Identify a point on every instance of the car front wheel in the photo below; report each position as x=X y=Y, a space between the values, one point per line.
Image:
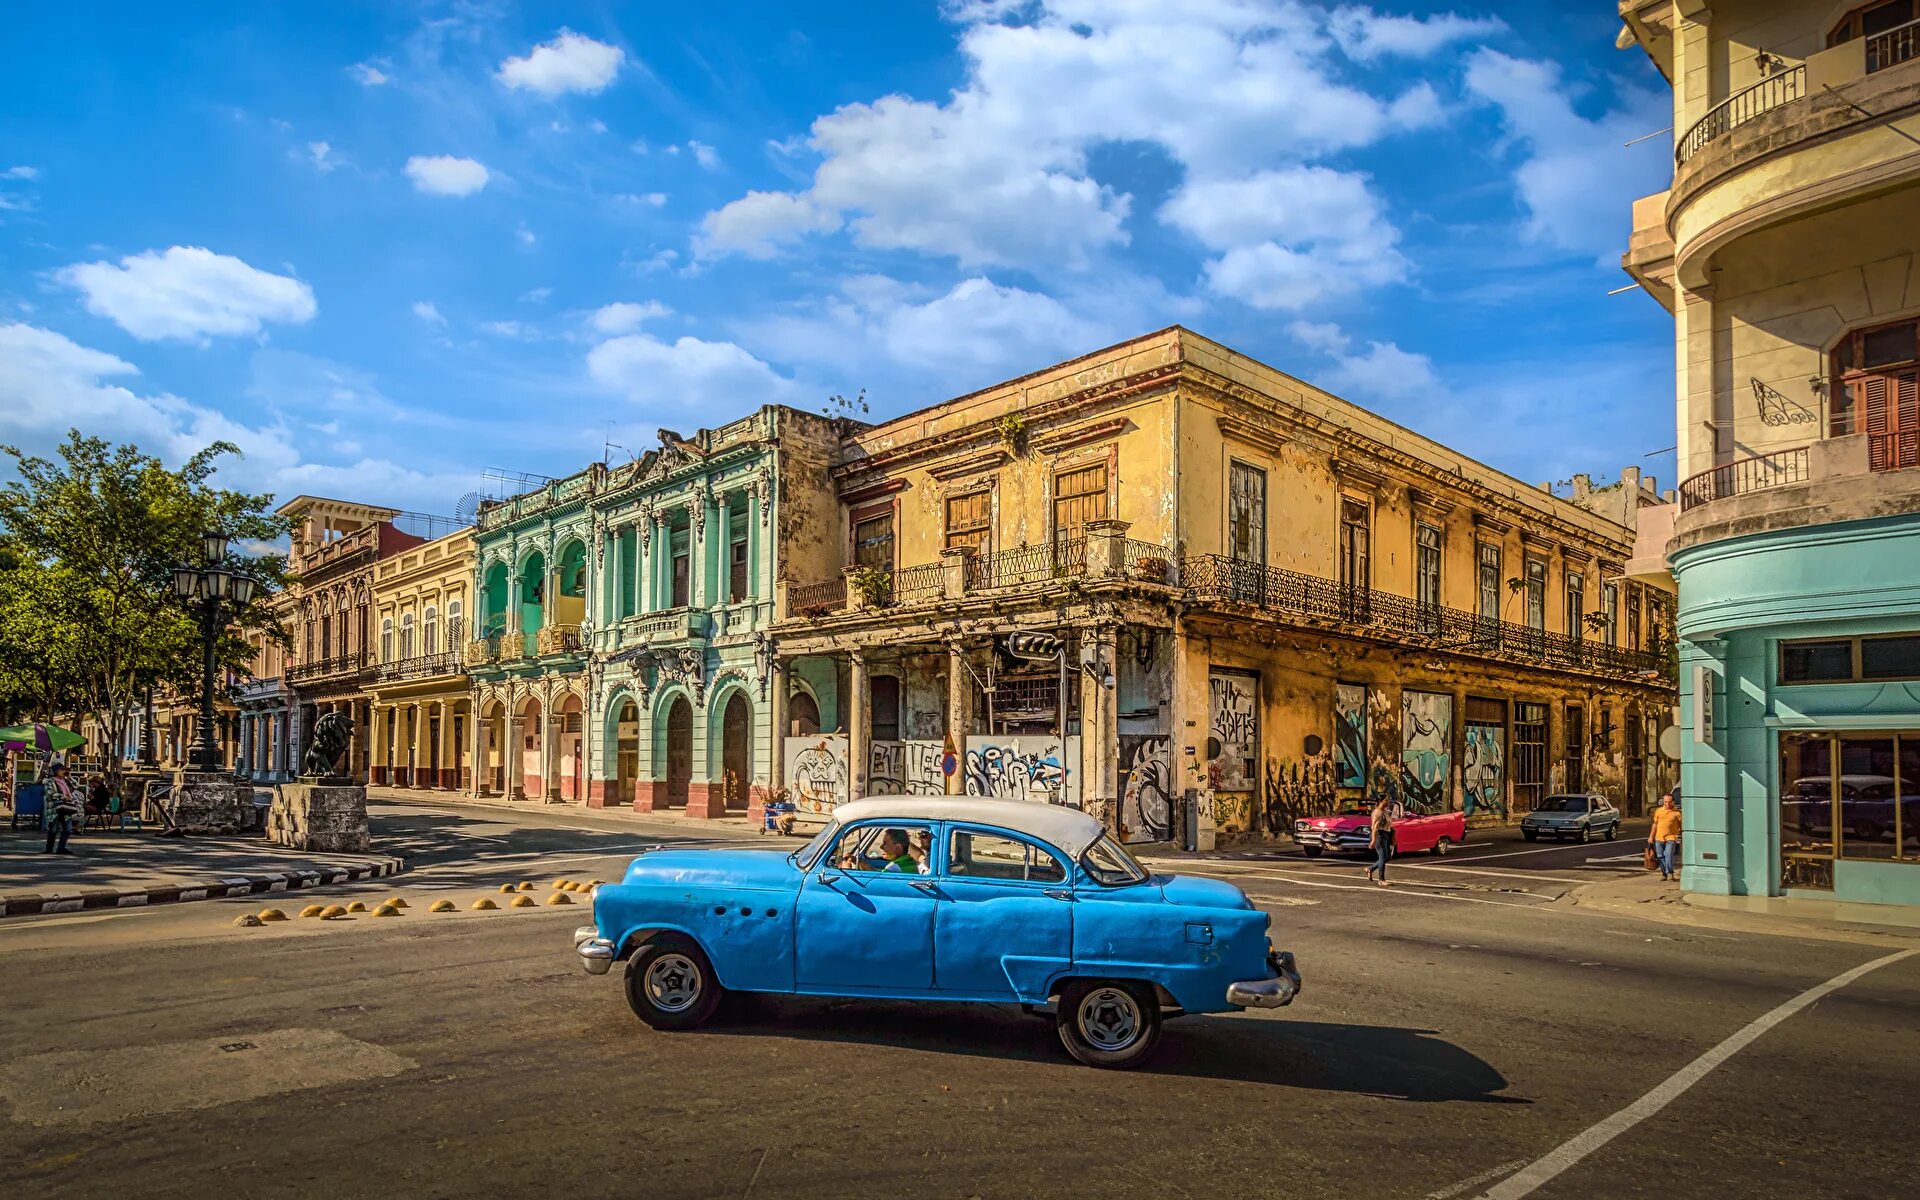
x=1586 y=834
x=1613 y=830
x=1112 y=1023
x=1310 y=851
x=1530 y=835
x=670 y=983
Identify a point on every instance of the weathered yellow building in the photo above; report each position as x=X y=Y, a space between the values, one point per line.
x=1268 y=600
x=422 y=707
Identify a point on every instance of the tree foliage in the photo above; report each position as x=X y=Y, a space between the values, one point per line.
x=88 y=543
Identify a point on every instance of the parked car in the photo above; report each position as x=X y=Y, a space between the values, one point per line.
x=1582 y=815
x=1348 y=831
x=986 y=901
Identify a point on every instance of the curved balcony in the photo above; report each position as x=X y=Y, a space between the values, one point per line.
x=1743 y=106
x=1855 y=477
x=1743 y=476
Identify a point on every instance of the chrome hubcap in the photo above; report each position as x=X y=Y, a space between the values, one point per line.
x=673 y=982
x=1109 y=1019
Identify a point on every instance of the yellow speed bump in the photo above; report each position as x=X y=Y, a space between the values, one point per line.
x=313 y=910
x=443 y=906
x=246 y=920
x=272 y=914
x=387 y=910
x=356 y=906
x=521 y=902
x=506 y=888
x=484 y=905
x=398 y=902
x=560 y=898
x=526 y=885
x=331 y=911
x=593 y=883
x=563 y=884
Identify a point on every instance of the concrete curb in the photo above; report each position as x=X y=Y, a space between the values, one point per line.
x=231 y=885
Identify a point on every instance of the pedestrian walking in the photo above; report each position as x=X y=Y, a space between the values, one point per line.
x=1664 y=838
x=63 y=809
x=1380 y=838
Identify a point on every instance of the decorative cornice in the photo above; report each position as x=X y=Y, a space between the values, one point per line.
x=1066 y=439
x=1491 y=524
x=1430 y=502
x=1236 y=430
x=970 y=466
x=1352 y=474
x=1575 y=556
x=873 y=491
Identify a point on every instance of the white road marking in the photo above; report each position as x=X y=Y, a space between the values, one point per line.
x=1395 y=890
x=1545 y=1169
x=1618 y=858
x=1406 y=866
x=1446 y=1193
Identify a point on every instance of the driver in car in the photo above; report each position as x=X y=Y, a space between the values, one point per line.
x=894 y=856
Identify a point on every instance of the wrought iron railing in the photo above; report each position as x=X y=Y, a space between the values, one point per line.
x=513 y=646
x=1744 y=105
x=339 y=664
x=481 y=651
x=420 y=666
x=1744 y=475
x=817 y=597
x=1214 y=578
x=1895 y=46
x=1023 y=565
x=558 y=639
x=916 y=585
x=1148 y=562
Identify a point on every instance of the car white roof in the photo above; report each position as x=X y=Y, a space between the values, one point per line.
x=1068 y=828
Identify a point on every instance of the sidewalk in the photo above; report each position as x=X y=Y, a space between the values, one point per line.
x=129 y=869
x=428 y=798
x=1650 y=898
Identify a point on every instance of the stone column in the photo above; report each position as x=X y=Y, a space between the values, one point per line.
x=777 y=714
x=419 y=742
x=858 y=716
x=698 y=591
x=758 y=588
x=448 y=767
x=1106 y=549
x=959 y=709
x=1189 y=744
x=1099 y=728
x=512 y=766
x=953 y=577
x=478 y=732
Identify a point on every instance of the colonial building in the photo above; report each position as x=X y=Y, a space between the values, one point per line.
x=1245 y=600
x=265 y=702
x=422 y=709
x=1788 y=251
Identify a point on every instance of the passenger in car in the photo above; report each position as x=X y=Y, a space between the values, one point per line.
x=920 y=848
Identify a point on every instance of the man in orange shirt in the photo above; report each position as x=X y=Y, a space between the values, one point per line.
x=1665 y=836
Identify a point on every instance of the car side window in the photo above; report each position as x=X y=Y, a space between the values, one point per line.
x=883 y=846
x=974 y=855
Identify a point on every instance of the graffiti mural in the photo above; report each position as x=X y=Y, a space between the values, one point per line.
x=1297 y=789
x=1350 y=734
x=1146 y=788
x=1023 y=768
x=1233 y=732
x=1484 y=770
x=905 y=769
x=1426 y=741
x=817 y=772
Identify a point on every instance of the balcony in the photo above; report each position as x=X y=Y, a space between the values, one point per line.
x=338 y=666
x=558 y=639
x=481 y=651
x=825 y=596
x=1743 y=106
x=362 y=541
x=1744 y=476
x=513 y=647
x=421 y=666
x=673 y=625
x=1852 y=477
x=1893 y=47
x=1214 y=579
x=1027 y=565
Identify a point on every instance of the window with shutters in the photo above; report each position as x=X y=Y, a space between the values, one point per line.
x=1633 y=616
x=970 y=523
x=430 y=632
x=873 y=539
x=1576 y=605
x=1079 y=496
x=1487 y=594
x=1428 y=544
x=1247 y=514
x=1610 y=606
x=1876 y=391
x=1536 y=593
x=1356 y=568
x=737 y=569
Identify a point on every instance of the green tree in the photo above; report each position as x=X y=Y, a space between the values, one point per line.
x=88 y=544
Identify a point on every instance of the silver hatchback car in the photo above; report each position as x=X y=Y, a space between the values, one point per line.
x=1581 y=815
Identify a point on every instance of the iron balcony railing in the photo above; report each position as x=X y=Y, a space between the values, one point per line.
x=1023 y=565
x=1895 y=46
x=817 y=597
x=558 y=639
x=1770 y=93
x=323 y=668
x=420 y=666
x=1745 y=475
x=915 y=585
x=1148 y=562
x=483 y=650
x=1214 y=578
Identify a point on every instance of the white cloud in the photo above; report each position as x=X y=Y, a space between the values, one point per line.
x=1383 y=371
x=705 y=155
x=525 y=235
x=759 y=222
x=427 y=311
x=445 y=175
x=367 y=75
x=20 y=173
x=688 y=374
x=536 y=295
x=1578 y=179
x=511 y=330
x=569 y=63
x=1366 y=35
x=648 y=199
x=188 y=292
x=625 y=316
x=321 y=155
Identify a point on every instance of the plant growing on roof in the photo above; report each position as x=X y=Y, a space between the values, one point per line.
x=1012 y=428
x=871 y=584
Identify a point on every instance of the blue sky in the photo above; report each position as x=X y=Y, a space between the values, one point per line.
x=385 y=246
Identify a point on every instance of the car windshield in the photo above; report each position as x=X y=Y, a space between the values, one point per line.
x=1564 y=804
x=804 y=856
x=1108 y=862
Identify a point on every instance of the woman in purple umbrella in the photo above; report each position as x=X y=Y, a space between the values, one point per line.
x=63 y=809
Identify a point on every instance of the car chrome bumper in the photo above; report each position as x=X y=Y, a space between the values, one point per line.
x=1277 y=992
x=596 y=952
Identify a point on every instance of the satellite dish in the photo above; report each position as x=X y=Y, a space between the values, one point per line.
x=468 y=510
x=1670 y=741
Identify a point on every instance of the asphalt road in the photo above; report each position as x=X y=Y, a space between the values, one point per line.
x=1454 y=1029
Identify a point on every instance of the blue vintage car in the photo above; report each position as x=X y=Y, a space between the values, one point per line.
x=989 y=901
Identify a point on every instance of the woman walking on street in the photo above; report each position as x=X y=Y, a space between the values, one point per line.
x=1665 y=837
x=63 y=808
x=1380 y=838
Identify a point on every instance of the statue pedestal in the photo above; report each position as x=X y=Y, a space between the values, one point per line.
x=319 y=814
x=209 y=802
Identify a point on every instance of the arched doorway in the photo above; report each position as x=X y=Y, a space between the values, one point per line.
x=570 y=765
x=491 y=769
x=803 y=715
x=533 y=596
x=736 y=751
x=626 y=742
x=525 y=756
x=679 y=752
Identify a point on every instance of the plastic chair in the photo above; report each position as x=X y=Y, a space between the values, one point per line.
x=117 y=809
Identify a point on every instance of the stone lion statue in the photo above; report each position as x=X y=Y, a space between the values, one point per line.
x=331 y=733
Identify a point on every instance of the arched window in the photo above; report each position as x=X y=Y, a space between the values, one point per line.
x=430 y=631
x=456 y=624
x=406 y=636
x=386 y=640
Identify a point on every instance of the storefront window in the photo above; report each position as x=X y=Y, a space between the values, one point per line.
x=1847 y=796
x=1806 y=811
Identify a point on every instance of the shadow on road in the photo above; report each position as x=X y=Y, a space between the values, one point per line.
x=1375 y=1060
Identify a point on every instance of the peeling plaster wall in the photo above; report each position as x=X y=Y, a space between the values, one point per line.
x=807 y=547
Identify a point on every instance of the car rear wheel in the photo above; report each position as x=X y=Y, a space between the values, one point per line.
x=1111 y=1023
x=1443 y=847
x=1310 y=851
x=671 y=985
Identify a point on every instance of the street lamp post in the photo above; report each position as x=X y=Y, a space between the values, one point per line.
x=205 y=588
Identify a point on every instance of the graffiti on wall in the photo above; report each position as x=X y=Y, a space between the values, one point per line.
x=1485 y=770
x=817 y=771
x=1350 y=734
x=905 y=769
x=1297 y=789
x=1233 y=732
x=1023 y=768
x=1146 y=787
x=1426 y=732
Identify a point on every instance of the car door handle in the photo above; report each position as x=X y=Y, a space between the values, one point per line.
x=1058 y=893
x=922 y=885
x=826 y=877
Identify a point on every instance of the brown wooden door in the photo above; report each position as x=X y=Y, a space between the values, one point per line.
x=679 y=752
x=735 y=758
